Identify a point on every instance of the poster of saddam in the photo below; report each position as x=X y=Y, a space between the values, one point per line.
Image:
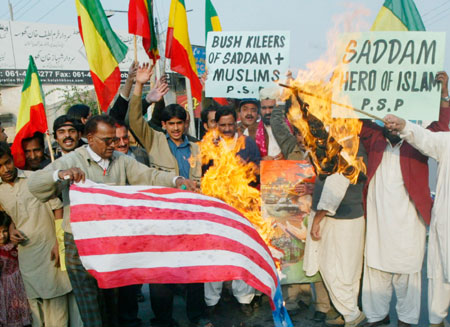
x=286 y=193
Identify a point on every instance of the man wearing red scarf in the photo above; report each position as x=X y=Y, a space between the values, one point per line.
x=264 y=138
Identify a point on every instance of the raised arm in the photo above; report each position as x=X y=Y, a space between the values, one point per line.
x=135 y=119
x=429 y=143
x=120 y=107
x=444 y=113
x=283 y=135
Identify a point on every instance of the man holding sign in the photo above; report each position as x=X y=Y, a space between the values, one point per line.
x=398 y=207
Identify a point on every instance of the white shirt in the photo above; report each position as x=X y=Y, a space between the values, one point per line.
x=395 y=240
x=103 y=163
x=437 y=146
x=274 y=148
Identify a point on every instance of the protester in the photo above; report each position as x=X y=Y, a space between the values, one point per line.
x=208 y=117
x=227 y=127
x=34 y=150
x=298 y=296
x=187 y=124
x=98 y=162
x=129 y=295
x=291 y=143
x=14 y=308
x=123 y=145
x=334 y=244
x=264 y=137
x=67 y=133
x=79 y=112
x=3 y=136
x=398 y=207
x=437 y=146
x=169 y=151
x=33 y=228
x=248 y=114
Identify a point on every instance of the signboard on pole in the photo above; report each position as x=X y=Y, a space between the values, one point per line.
x=241 y=63
x=58 y=52
x=389 y=72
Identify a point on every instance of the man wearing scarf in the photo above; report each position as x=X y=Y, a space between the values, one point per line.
x=264 y=138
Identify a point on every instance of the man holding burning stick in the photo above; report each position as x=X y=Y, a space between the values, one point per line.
x=398 y=205
x=437 y=146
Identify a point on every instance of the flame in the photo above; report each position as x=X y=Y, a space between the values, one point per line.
x=334 y=147
x=228 y=179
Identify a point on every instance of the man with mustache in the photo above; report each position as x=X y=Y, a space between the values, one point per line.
x=98 y=162
x=34 y=147
x=67 y=134
x=226 y=123
x=123 y=145
x=264 y=138
x=398 y=208
x=248 y=114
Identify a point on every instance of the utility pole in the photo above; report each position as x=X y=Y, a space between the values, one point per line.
x=11 y=13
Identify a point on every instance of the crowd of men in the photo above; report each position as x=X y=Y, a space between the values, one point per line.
x=374 y=230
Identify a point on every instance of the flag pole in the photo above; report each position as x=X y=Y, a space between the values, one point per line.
x=49 y=143
x=190 y=107
x=135 y=49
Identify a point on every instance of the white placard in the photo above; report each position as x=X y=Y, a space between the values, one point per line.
x=241 y=63
x=390 y=72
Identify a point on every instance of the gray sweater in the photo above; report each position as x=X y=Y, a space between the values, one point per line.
x=122 y=170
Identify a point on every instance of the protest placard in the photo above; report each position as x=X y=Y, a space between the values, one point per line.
x=389 y=72
x=290 y=212
x=241 y=63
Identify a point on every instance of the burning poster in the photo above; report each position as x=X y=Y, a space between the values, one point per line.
x=282 y=185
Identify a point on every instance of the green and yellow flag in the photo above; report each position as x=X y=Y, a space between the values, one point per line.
x=104 y=50
x=31 y=117
x=398 y=15
x=212 y=22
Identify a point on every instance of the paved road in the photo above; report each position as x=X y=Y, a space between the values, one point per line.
x=228 y=314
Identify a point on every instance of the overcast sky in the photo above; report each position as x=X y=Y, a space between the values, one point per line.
x=309 y=21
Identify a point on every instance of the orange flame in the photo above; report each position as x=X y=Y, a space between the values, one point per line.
x=317 y=84
x=228 y=179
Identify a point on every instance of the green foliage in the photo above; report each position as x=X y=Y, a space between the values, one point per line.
x=74 y=95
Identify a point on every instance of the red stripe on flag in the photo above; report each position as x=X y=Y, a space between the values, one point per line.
x=173 y=243
x=37 y=123
x=184 y=275
x=83 y=213
x=106 y=90
x=149 y=197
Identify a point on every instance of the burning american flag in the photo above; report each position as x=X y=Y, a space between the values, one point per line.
x=146 y=234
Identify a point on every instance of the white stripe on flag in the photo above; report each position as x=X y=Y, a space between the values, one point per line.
x=130 y=227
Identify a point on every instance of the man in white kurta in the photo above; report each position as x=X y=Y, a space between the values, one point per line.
x=437 y=146
x=395 y=244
